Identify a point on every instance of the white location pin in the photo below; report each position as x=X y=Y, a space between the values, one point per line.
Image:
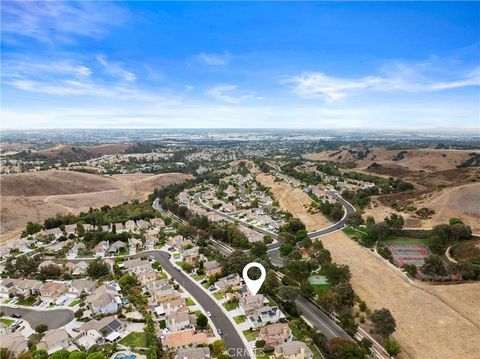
x=254 y=285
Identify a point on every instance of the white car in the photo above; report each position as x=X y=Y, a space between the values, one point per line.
x=15 y=306
x=209 y=314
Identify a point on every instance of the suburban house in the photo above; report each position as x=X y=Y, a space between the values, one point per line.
x=133 y=243
x=157 y=222
x=212 y=268
x=79 y=286
x=142 y=224
x=73 y=252
x=15 y=343
x=116 y=247
x=179 y=321
x=7 y=286
x=182 y=244
x=275 y=334
x=264 y=316
x=147 y=277
x=119 y=227
x=150 y=243
x=27 y=287
x=79 y=268
x=70 y=229
x=55 y=340
x=88 y=227
x=292 y=350
x=97 y=331
x=251 y=303
x=104 y=301
x=130 y=225
x=184 y=338
x=156 y=285
x=56 y=232
x=192 y=255
x=105 y=228
x=137 y=266
x=51 y=291
x=193 y=353
x=101 y=248
x=232 y=281
x=4 y=329
x=165 y=294
x=171 y=306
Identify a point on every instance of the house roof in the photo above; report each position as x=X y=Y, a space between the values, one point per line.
x=211 y=265
x=107 y=324
x=193 y=353
x=53 y=337
x=185 y=337
x=291 y=348
x=83 y=284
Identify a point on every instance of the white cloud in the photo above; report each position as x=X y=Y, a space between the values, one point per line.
x=226 y=93
x=214 y=59
x=116 y=69
x=51 y=21
x=398 y=77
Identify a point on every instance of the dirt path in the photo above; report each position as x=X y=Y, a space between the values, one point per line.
x=432 y=321
x=295 y=201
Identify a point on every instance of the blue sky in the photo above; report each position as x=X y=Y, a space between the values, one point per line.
x=200 y=64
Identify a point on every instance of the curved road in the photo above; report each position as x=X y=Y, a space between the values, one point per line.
x=53 y=318
x=232 y=338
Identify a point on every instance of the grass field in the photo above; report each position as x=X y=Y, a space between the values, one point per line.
x=27 y=301
x=239 y=319
x=404 y=240
x=230 y=305
x=74 y=303
x=6 y=321
x=322 y=288
x=251 y=335
x=219 y=295
x=189 y=301
x=198 y=277
x=134 y=339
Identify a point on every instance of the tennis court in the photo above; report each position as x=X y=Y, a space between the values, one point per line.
x=408 y=254
x=317 y=279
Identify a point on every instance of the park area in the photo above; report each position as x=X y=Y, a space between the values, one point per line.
x=408 y=254
x=319 y=282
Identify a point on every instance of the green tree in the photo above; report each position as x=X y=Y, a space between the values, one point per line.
x=411 y=270
x=347 y=321
x=96 y=355
x=41 y=328
x=434 y=266
x=97 y=269
x=394 y=222
x=202 y=321
x=392 y=347
x=258 y=250
x=40 y=354
x=383 y=322
x=218 y=347
x=50 y=271
x=345 y=293
x=260 y=343
x=77 y=355
x=61 y=354
x=337 y=273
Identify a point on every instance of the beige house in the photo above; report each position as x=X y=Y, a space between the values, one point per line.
x=15 y=343
x=179 y=321
x=212 y=268
x=292 y=350
x=250 y=303
x=184 y=338
x=50 y=291
x=232 y=281
x=275 y=334
x=55 y=340
x=193 y=353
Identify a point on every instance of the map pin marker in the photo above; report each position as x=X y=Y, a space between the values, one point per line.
x=254 y=285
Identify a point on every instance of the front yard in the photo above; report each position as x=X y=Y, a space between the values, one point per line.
x=6 y=321
x=251 y=335
x=239 y=319
x=230 y=305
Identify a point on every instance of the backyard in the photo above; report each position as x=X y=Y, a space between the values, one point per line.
x=134 y=339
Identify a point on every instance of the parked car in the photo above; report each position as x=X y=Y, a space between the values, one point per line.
x=219 y=331
x=209 y=314
x=16 y=315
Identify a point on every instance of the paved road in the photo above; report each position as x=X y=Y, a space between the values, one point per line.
x=230 y=335
x=54 y=318
x=319 y=319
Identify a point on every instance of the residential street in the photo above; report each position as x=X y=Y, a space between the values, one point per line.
x=54 y=318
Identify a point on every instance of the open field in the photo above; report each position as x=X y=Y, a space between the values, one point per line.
x=461 y=201
x=295 y=201
x=433 y=321
x=409 y=159
x=38 y=195
x=81 y=153
x=465 y=250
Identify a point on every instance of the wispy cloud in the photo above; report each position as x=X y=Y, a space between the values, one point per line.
x=218 y=59
x=116 y=69
x=396 y=77
x=51 y=21
x=227 y=93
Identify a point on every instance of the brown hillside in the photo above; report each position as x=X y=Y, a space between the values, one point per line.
x=53 y=182
x=81 y=153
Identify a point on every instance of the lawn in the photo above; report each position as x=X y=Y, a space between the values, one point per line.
x=239 y=319
x=230 y=305
x=251 y=335
x=219 y=295
x=27 y=301
x=189 y=301
x=321 y=288
x=134 y=339
x=6 y=321
x=404 y=240
x=162 y=324
x=75 y=302
x=198 y=277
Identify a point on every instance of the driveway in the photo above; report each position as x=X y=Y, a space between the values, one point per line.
x=53 y=318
